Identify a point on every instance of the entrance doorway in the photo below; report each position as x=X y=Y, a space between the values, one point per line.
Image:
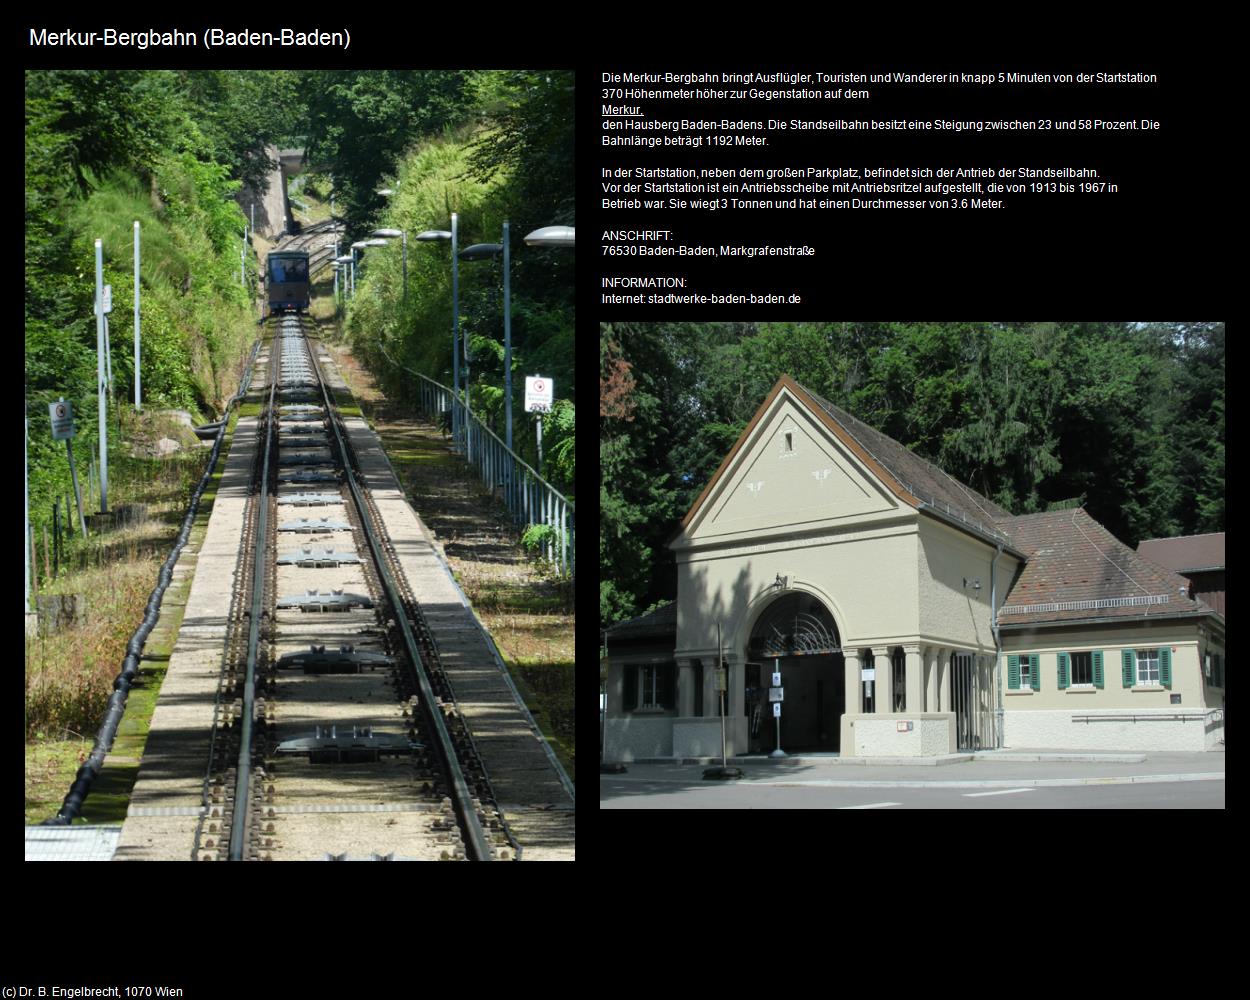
x=796 y=636
x=811 y=715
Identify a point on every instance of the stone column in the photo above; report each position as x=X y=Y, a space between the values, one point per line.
x=930 y=679
x=883 y=687
x=854 y=663
x=914 y=679
x=944 y=679
x=685 y=689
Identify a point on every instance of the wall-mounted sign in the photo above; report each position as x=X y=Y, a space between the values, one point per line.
x=776 y=694
x=869 y=674
x=904 y=727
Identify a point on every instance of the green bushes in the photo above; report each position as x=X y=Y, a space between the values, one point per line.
x=433 y=181
x=196 y=319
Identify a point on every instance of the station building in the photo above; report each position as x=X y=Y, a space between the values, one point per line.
x=906 y=614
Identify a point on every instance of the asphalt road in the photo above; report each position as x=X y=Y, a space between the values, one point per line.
x=615 y=794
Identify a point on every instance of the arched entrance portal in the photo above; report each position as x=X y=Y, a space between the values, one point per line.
x=796 y=635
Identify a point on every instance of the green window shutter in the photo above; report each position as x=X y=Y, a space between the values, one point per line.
x=1129 y=658
x=1098 y=668
x=1013 y=673
x=668 y=685
x=1165 y=666
x=1063 y=671
x=631 y=687
x=1037 y=672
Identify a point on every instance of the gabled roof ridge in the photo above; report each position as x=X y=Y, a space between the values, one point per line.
x=1181 y=538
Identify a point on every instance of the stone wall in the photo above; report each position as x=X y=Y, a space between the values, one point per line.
x=1140 y=730
x=273 y=213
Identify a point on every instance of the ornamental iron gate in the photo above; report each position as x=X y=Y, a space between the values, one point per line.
x=971 y=691
x=794 y=625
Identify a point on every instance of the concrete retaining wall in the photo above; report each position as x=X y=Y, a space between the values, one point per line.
x=273 y=213
x=930 y=735
x=1066 y=731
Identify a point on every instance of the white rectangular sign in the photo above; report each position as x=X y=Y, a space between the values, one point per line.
x=776 y=680
x=776 y=694
x=776 y=710
x=869 y=674
x=538 y=393
x=62 y=415
x=108 y=299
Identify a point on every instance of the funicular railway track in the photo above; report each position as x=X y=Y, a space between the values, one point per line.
x=336 y=734
x=318 y=239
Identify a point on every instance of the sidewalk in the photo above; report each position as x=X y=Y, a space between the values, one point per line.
x=1015 y=768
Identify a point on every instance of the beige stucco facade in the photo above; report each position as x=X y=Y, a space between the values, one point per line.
x=796 y=510
x=1186 y=715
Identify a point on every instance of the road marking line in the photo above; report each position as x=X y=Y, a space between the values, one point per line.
x=873 y=805
x=1008 y=791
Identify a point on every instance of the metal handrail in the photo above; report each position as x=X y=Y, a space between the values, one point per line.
x=1193 y=716
x=528 y=496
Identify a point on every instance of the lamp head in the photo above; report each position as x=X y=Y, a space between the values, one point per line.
x=481 y=250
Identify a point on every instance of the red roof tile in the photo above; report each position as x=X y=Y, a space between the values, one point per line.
x=1074 y=559
x=1186 y=554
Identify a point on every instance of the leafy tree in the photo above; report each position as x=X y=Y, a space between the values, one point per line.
x=361 y=121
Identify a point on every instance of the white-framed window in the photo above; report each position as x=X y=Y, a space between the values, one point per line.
x=1026 y=673
x=1148 y=667
x=649 y=687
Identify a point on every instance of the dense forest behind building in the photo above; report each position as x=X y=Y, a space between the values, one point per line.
x=1125 y=419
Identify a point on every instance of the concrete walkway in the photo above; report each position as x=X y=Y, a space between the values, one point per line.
x=990 y=769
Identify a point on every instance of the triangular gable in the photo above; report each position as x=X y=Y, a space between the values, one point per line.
x=767 y=482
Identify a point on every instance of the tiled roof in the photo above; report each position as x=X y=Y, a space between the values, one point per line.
x=924 y=479
x=1073 y=559
x=1187 y=554
x=660 y=623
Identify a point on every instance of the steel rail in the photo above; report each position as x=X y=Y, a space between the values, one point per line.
x=243 y=778
x=476 y=845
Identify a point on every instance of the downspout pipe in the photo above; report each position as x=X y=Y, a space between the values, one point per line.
x=998 y=649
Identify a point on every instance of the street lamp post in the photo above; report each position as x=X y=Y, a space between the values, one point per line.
x=480 y=251
x=442 y=234
x=341 y=264
x=548 y=236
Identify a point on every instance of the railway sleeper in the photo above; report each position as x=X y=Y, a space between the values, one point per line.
x=344 y=660
x=361 y=747
x=335 y=600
